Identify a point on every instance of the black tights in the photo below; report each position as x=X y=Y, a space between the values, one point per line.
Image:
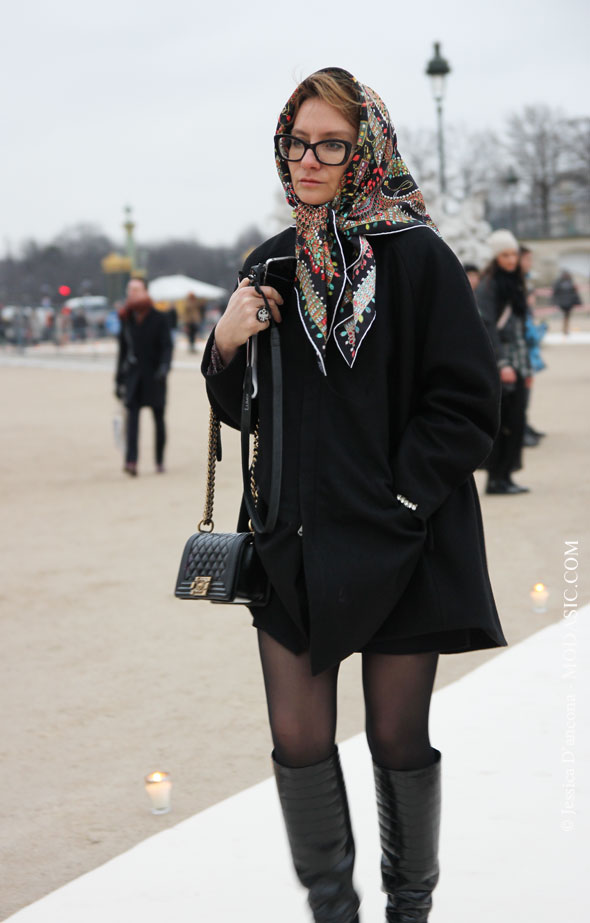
x=302 y=708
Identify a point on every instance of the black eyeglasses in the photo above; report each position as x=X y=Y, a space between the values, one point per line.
x=332 y=152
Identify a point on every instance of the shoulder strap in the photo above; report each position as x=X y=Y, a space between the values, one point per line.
x=277 y=432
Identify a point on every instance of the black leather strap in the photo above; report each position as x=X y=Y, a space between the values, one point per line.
x=277 y=431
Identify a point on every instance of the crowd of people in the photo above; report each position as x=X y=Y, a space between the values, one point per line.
x=505 y=298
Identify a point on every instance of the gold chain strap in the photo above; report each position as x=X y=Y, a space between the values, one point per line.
x=206 y=524
x=253 y=486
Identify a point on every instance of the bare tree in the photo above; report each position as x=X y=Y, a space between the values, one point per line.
x=74 y=258
x=477 y=165
x=535 y=143
x=577 y=144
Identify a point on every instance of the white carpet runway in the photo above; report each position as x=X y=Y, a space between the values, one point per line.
x=515 y=742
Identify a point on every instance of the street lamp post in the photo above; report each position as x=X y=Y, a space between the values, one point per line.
x=437 y=69
x=129 y=225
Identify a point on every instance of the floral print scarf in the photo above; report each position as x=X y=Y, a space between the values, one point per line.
x=377 y=195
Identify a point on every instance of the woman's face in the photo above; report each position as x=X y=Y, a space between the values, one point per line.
x=316 y=183
x=136 y=290
x=507 y=260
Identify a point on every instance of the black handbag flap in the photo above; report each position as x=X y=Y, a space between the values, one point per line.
x=214 y=566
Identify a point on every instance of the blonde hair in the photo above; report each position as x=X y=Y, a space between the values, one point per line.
x=337 y=91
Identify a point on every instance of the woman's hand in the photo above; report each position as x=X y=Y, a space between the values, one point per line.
x=239 y=321
x=507 y=374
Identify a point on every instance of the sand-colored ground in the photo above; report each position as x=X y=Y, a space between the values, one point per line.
x=106 y=676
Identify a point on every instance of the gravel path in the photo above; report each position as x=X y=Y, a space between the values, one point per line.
x=106 y=676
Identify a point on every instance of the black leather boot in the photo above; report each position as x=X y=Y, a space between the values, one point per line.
x=315 y=809
x=409 y=803
x=505 y=486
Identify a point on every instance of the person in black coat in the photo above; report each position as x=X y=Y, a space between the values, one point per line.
x=501 y=299
x=143 y=363
x=566 y=297
x=390 y=402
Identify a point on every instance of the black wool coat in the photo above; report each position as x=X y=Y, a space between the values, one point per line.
x=565 y=294
x=509 y=342
x=145 y=354
x=415 y=416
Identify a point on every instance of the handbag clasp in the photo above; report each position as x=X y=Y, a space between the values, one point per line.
x=200 y=586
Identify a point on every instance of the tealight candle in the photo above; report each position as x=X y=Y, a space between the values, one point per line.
x=539 y=594
x=158 y=785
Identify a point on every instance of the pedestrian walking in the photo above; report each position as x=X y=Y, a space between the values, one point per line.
x=390 y=402
x=501 y=299
x=566 y=297
x=143 y=363
x=193 y=318
x=172 y=318
x=79 y=324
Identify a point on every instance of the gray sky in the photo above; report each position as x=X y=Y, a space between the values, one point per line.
x=147 y=103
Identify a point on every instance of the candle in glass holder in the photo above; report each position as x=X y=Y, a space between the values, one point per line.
x=539 y=595
x=158 y=785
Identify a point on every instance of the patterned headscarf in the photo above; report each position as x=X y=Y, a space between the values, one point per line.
x=377 y=195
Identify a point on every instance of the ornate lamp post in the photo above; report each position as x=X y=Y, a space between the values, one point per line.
x=117 y=270
x=437 y=69
x=137 y=269
x=129 y=225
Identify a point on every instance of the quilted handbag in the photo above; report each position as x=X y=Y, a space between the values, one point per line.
x=223 y=567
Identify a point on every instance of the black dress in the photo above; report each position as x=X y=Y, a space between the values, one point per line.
x=352 y=567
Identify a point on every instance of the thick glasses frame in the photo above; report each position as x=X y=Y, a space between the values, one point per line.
x=307 y=146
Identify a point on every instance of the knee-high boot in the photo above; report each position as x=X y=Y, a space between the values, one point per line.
x=315 y=808
x=409 y=804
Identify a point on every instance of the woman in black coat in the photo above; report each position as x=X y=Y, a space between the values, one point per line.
x=143 y=363
x=501 y=299
x=390 y=403
x=566 y=297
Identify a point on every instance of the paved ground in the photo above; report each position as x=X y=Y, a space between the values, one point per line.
x=514 y=827
x=106 y=676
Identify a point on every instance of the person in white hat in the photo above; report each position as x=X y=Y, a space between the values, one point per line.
x=501 y=299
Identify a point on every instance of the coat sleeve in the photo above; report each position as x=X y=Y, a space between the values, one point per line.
x=485 y=297
x=458 y=408
x=224 y=388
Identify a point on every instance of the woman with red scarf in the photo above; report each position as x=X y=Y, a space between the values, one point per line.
x=145 y=353
x=390 y=402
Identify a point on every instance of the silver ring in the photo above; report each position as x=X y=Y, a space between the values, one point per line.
x=263 y=314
